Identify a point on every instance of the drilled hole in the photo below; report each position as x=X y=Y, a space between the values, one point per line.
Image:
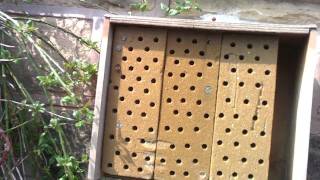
x=209 y=64
x=137 y=101
x=182 y=75
x=194 y=41
x=227 y=130
x=196 y=129
x=169 y=100
x=129 y=112
x=243 y=160
x=125 y=167
x=140 y=169
x=127 y=139
x=234 y=174
x=225 y=158
x=117 y=153
x=241 y=57
x=114 y=110
x=255 y=118
x=150 y=129
x=226 y=56
x=130 y=48
x=264 y=102
x=155 y=60
x=155 y=39
x=228 y=100
x=267 y=72
x=250 y=176
x=175 y=87
x=109 y=164
x=189 y=114
x=191 y=63
x=115 y=87
x=142 y=141
x=152 y=104
x=250 y=70
x=130 y=68
x=187 y=146
x=253 y=145
x=147 y=49
x=258 y=85
x=241 y=84
x=146 y=67
x=244 y=132
x=201 y=53
x=192 y=88
x=219 y=173
x=262 y=133
x=153 y=80
x=257 y=58
x=199 y=74
x=233 y=70
x=172 y=146
x=147 y=158
x=180 y=129
x=176 y=61
x=134 y=128
x=266 y=46
x=178 y=40
x=204 y=146
x=236 y=116
x=221 y=115
x=225 y=83
x=219 y=142
x=236 y=143
x=186 y=51
x=111 y=136
x=182 y=100
x=186 y=173
x=138 y=59
x=167 y=128
x=140 y=38
x=198 y=102
x=195 y=161
x=178 y=161
x=206 y=115
x=133 y=154
x=124 y=58
x=249 y=46
x=171 y=51
x=143 y=114
x=146 y=91
x=232 y=44
x=162 y=160
x=260 y=161
x=170 y=74
x=246 y=101
x=172 y=173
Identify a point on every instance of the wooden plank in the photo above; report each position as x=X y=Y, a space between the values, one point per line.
x=133 y=101
x=188 y=105
x=244 y=110
x=94 y=169
x=220 y=26
x=301 y=128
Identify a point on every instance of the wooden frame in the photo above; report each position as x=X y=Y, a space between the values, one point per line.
x=303 y=105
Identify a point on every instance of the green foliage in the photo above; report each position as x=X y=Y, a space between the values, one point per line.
x=37 y=127
x=181 y=7
x=140 y=6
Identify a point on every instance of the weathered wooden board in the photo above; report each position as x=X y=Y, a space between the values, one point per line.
x=133 y=101
x=244 y=110
x=188 y=105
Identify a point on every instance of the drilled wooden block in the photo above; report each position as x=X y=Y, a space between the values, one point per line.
x=132 y=113
x=244 y=110
x=188 y=105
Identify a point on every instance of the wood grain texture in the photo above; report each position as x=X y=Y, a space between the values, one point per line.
x=188 y=105
x=94 y=169
x=244 y=110
x=220 y=26
x=133 y=102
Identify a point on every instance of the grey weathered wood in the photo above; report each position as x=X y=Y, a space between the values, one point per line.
x=94 y=170
x=220 y=26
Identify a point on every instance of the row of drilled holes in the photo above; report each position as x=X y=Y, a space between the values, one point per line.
x=250 y=46
x=194 y=41
x=126 y=167
x=244 y=132
x=235 y=174
x=139 y=59
x=243 y=160
x=187 y=51
x=241 y=57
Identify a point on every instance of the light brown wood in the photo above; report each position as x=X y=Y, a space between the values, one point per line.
x=188 y=105
x=133 y=101
x=244 y=110
x=216 y=26
x=94 y=169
